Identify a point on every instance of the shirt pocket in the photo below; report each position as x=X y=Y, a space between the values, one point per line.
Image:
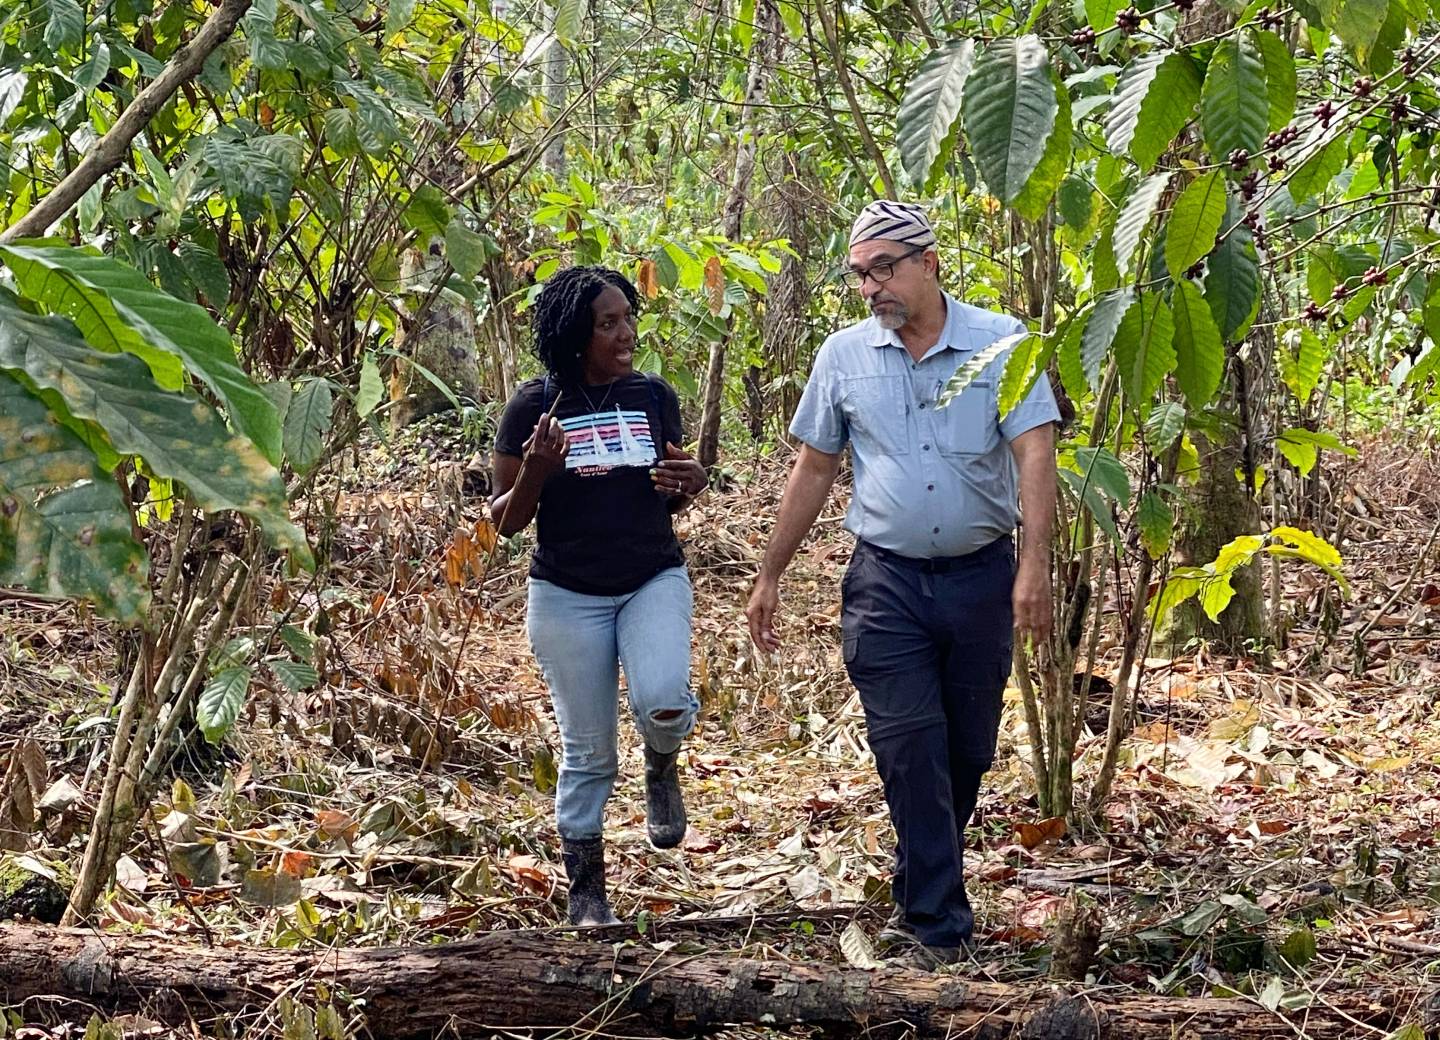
x=875 y=410
x=970 y=424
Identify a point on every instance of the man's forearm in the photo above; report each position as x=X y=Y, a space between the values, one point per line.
x=1035 y=461
x=805 y=494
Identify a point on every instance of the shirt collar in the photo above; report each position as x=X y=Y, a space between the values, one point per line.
x=954 y=334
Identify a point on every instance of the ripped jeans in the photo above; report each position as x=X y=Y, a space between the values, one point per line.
x=580 y=642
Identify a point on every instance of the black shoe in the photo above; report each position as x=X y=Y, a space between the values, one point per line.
x=920 y=957
x=585 y=867
x=896 y=931
x=664 y=805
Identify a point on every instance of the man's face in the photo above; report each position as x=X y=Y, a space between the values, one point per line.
x=912 y=278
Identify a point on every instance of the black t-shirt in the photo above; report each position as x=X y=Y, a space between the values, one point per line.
x=603 y=528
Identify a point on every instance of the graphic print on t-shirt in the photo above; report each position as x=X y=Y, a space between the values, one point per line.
x=601 y=441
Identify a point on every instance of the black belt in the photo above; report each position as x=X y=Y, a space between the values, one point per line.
x=939 y=564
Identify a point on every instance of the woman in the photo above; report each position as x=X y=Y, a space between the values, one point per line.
x=590 y=449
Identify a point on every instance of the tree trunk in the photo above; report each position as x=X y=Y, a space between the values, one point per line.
x=554 y=71
x=506 y=981
x=732 y=218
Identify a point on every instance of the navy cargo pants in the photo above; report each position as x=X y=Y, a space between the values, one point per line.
x=927 y=645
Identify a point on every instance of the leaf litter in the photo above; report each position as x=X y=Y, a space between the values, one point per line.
x=1272 y=830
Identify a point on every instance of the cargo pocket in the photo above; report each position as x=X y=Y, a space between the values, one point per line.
x=970 y=424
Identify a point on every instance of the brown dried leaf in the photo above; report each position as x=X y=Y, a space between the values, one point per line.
x=715 y=283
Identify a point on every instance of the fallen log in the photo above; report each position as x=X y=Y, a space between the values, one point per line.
x=507 y=981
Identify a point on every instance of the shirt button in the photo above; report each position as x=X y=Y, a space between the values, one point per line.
x=937 y=530
x=927 y=447
x=922 y=404
x=929 y=487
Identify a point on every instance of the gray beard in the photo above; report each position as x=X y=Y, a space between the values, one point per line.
x=893 y=317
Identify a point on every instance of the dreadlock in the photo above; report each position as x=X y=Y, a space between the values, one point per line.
x=563 y=320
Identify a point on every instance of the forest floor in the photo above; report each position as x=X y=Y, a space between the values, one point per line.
x=1272 y=832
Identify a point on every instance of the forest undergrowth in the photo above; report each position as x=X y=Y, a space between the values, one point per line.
x=1272 y=831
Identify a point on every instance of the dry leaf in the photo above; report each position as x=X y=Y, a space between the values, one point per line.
x=1046 y=832
x=715 y=283
x=646 y=281
x=855 y=945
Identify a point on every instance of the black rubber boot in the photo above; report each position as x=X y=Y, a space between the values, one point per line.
x=585 y=867
x=664 y=805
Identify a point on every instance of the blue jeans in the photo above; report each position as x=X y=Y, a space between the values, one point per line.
x=581 y=641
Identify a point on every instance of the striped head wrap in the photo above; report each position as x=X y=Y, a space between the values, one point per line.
x=893 y=221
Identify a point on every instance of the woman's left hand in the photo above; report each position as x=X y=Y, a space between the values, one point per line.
x=678 y=474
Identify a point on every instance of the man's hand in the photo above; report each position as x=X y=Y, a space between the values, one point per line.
x=678 y=474
x=1031 y=602
x=764 y=601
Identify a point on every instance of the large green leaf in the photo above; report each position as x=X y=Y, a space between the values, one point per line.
x=569 y=16
x=1010 y=107
x=372 y=387
x=1301 y=357
x=1232 y=284
x=1279 y=76
x=1157 y=524
x=179 y=437
x=1199 y=349
x=1100 y=330
x=975 y=364
x=1357 y=22
x=1144 y=347
x=307 y=420
x=930 y=110
x=1235 y=102
x=220 y=702
x=12 y=89
x=1314 y=175
x=1134 y=218
x=1101 y=13
x=1103 y=470
x=117 y=308
x=1155 y=97
x=64 y=528
x=1034 y=199
x=1024 y=366
x=66 y=24
x=1194 y=222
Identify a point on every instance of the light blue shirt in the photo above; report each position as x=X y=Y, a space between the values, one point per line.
x=928 y=481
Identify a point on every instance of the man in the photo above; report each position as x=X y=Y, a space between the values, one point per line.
x=933 y=589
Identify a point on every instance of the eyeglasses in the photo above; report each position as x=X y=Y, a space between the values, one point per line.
x=881 y=272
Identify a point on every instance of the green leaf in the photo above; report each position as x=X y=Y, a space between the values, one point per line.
x=1100 y=329
x=65 y=530
x=1357 y=22
x=1096 y=503
x=1072 y=368
x=372 y=387
x=569 y=17
x=208 y=273
x=1157 y=524
x=1302 y=447
x=464 y=249
x=930 y=110
x=1076 y=202
x=1235 y=101
x=1154 y=99
x=1299 y=949
x=1409 y=1031
x=1194 y=222
x=398 y=14
x=1034 y=199
x=977 y=363
x=427 y=212
x=1314 y=175
x=307 y=420
x=1101 y=13
x=1164 y=424
x=1199 y=350
x=66 y=25
x=295 y=676
x=89 y=75
x=12 y=89
x=117 y=308
x=1134 y=218
x=220 y=702
x=1104 y=471
x=1308 y=546
x=1144 y=348
x=1301 y=358
x=1010 y=107
x=179 y=437
x=1023 y=367
x=1232 y=283
x=1279 y=66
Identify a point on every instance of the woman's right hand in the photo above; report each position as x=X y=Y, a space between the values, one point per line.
x=548 y=445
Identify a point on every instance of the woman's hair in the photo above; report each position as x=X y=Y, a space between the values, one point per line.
x=563 y=320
